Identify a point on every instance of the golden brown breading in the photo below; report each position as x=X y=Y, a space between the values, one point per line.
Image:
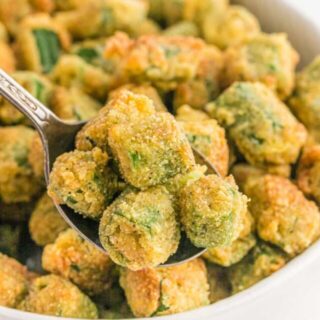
x=45 y=223
x=283 y=215
x=17 y=182
x=7 y=58
x=40 y=42
x=308 y=173
x=36 y=158
x=72 y=71
x=13 y=282
x=43 y=5
x=229 y=255
x=106 y=17
x=206 y=136
x=236 y=26
x=182 y=28
x=139 y=229
x=304 y=101
x=267 y=58
x=11 y=12
x=73 y=104
x=212 y=211
x=124 y=107
x=151 y=151
x=146 y=90
x=53 y=295
x=83 y=181
x=260 y=125
x=79 y=261
x=153 y=292
x=205 y=86
x=162 y=61
x=260 y=263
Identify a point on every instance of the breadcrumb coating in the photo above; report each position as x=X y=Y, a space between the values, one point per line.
x=53 y=295
x=45 y=223
x=283 y=215
x=139 y=229
x=260 y=125
x=82 y=263
x=266 y=58
x=163 y=291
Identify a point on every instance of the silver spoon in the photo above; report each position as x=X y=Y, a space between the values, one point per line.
x=58 y=137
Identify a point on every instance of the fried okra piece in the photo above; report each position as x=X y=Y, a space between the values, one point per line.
x=39 y=86
x=4 y=36
x=219 y=285
x=205 y=87
x=122 y=108
x=229 y=255
x=43 y=5
x=204 y=13
x=150 y=151
x=17 y=182
x=91 y=51
x=260 y=125
x=143 y=89
x=106 y=17
x=237 y=25
x=262 y=261
x=267 y=58
x=159 y=60
x=65 y=5
x=36 y=158
x=9 y=239
x=212 y=211
x=53 y=295
x=79 y=261
x=83 y=181
x=186 y=113
x=308 y=174
x=7 y=57
x=183 y=28
x=40 y=42
x=207 y=137
x=72 y=71
x=243 y=171
x=146 y=27
x=304 y=101
x=163 y=291
x=46 y=223
x=11 y=12
x=139 y=229
x=13 y=282
x=283 y=215
x=73 y=104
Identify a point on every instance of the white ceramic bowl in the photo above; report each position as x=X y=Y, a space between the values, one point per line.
x=275 y=16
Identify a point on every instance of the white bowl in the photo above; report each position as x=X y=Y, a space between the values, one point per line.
x=275 y=16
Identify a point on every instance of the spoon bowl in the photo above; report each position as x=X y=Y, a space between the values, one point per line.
x=58 y=137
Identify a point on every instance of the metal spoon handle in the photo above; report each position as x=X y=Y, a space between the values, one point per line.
x=33 y=109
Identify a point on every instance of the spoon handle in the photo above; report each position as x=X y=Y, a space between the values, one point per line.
x=33 y=109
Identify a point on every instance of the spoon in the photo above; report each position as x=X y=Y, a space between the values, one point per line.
x=57 y=137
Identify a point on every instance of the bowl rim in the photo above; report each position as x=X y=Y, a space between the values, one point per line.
x=255 y=292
